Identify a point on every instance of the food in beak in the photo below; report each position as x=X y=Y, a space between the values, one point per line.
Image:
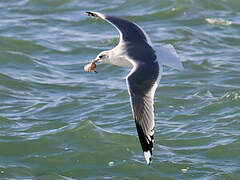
x=91 y=66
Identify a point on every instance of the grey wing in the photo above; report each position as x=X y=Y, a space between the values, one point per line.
x=133 y=40
x=142 y=83
x=129 y=31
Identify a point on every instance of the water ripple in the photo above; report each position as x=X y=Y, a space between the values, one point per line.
x=57 y=122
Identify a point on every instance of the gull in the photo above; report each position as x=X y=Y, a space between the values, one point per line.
x=136 y=50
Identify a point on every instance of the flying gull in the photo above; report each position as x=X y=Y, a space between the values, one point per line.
x=135 y=50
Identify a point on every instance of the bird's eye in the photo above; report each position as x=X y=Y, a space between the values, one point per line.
x=101 y=56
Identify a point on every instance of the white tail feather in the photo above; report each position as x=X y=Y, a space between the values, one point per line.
x=167 y=55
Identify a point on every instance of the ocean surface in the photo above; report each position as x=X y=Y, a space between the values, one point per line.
x=59 y=123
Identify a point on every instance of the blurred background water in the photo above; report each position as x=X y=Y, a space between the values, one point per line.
x=57 y=122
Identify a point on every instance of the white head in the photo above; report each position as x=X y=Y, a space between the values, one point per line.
x=104 y=57
x=113 y=56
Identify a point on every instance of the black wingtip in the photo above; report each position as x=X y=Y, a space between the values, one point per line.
x=146 y=143
x=148 y=157
x=89 y=13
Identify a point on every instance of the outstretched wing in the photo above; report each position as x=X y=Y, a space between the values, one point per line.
x=129 y=31
x=142 y=82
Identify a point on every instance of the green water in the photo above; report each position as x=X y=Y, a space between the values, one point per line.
x=57 y=122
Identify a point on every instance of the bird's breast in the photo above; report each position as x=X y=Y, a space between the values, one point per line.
x=121 y=61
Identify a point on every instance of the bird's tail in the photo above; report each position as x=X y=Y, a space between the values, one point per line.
x=168 y=56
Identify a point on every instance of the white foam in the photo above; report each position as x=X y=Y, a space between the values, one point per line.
x=218 y=21
x=111 y=163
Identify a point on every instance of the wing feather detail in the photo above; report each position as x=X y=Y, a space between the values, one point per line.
x=141 y=86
